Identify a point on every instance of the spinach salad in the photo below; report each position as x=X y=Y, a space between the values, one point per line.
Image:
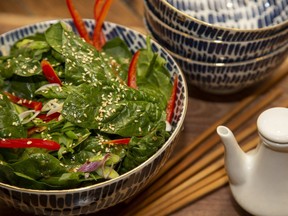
x=103 y=127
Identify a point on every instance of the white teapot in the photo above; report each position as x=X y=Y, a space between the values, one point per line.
x=259 y=178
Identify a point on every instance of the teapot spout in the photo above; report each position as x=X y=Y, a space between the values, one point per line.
x=235 y=158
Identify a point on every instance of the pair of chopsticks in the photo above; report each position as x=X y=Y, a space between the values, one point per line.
x=195 y=172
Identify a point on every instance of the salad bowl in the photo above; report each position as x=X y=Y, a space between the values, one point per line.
x=235 y=20
x=226 y=78
x=212 y=51
x=104 y=194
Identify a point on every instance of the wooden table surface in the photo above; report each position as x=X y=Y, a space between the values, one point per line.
x=203 y=109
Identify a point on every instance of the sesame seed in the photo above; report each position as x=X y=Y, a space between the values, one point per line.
x=14 y=123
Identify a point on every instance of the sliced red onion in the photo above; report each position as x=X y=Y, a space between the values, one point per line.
x=90 y=166
x=94 y=165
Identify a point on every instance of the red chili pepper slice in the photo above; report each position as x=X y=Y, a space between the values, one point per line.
x=118 y=141
x=132 y=73
x=97 y=10
x=49 y=72
x=29 y=143
x=171 y=102
x=24 y=102
x=78 y=21
x=48 y=118
x=98 y=37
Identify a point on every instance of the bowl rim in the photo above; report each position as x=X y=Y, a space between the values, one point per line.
x=216 y=41
x=172 y=137
x=283 y=49
x=188 y=17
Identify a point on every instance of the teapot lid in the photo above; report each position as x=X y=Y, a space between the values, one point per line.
x=273 y=125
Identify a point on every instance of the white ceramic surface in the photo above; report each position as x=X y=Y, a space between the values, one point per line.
x=258 y=179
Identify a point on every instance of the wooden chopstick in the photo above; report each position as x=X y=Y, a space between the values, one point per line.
x=196 y=195
x=158 y=186
x=206 y=176
x=160 y=209
x=281 y=73
x=154 y=206
x=204 y=161
x=182 y=190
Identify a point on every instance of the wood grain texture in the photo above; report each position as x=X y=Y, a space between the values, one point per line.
x=15 y=13
x=203 y=108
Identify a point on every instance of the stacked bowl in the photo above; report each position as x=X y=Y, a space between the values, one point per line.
x=221 y=46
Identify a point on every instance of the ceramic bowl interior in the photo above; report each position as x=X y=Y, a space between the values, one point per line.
x=103 y=195
x=265 y=18
x=213 y=51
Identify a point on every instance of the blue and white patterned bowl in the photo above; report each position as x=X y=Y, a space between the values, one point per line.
x=226 y=78
x=213 y=51
x=235 y=20
x=103 y=195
